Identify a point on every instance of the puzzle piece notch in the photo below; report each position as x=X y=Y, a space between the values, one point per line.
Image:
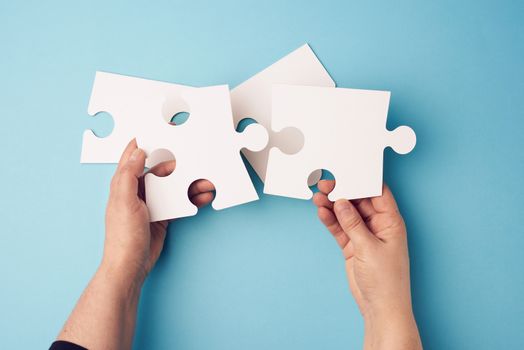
x=158 y=156
x=128 y=100
x=101 y=124
x=252 y=98
x=172 y=106
x=218 y=157
x=349 y=142
x=253 y=138
x=290 y=140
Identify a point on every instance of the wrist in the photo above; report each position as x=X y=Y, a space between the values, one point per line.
x=391 y=327
x=121 y=278
x=388 y=311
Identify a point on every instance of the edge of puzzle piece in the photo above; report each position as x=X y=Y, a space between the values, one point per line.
x=217 y=160
x=109 y=94
x=252 y=98
x=349 y=141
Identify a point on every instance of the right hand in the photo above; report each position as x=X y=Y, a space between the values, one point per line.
x=373 y=239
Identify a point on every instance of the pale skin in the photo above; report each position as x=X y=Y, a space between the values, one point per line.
x=370 y=232
x=373 y=239
x=104 y=316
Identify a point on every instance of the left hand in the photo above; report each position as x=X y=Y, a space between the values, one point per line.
x=133 y=244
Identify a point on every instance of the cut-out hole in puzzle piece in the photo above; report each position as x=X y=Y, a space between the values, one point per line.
x=201 y=192
x=324 y=175
x=349 y=142
x=175 y=110
x=206 y=146
x=131 y=102
x=161 y=162
x=252 y=98
x=289 y=141
x=243 y=124
x=101 y=125
x=179 y=118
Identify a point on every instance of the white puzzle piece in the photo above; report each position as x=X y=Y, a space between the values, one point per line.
x=348 y=140
x=206 y=146
x=111 y=90
x=252 y=99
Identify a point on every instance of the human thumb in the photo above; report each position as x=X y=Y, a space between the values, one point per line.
x=129 y=174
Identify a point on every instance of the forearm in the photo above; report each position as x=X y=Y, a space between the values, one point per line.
x=104 y=316
x=395 y=330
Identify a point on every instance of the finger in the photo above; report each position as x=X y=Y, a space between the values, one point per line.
x=200 y=186
x=202 y=199
x=328 y=218
x=326 y=186
x=164 y=168
x=351 y=222
x=131 y=146
x=321 y=200
x=365 y=208
x=385 y=203
x=128 y=175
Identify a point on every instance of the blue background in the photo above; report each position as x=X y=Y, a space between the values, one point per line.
x=266 y=274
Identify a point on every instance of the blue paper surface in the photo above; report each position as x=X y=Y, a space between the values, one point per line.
x=267 y=275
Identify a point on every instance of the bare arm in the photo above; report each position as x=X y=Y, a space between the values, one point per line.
x=105 y=315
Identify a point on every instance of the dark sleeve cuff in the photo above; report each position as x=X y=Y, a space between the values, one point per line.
x=65 y=345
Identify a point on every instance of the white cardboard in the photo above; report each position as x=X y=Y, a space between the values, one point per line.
x=120 y=95
x=252 y=99
x=206 y=146
x=344 y=132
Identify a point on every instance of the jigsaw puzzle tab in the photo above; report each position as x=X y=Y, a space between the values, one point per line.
x=252 y=99
x=348 y=140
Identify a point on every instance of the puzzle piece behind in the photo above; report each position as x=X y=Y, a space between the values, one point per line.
x=120 y=96
x=348 y=140
x=252 y=99
x=206 y=146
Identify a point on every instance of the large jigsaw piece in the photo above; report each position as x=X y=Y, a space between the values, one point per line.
x=348 y=140
x=206 y=146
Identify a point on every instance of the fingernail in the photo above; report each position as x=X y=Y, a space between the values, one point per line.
x=342 y=205
x=134 y=155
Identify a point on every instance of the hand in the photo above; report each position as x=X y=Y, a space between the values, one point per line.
x=133 y=244
x=373 y=239
x=105 y=315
